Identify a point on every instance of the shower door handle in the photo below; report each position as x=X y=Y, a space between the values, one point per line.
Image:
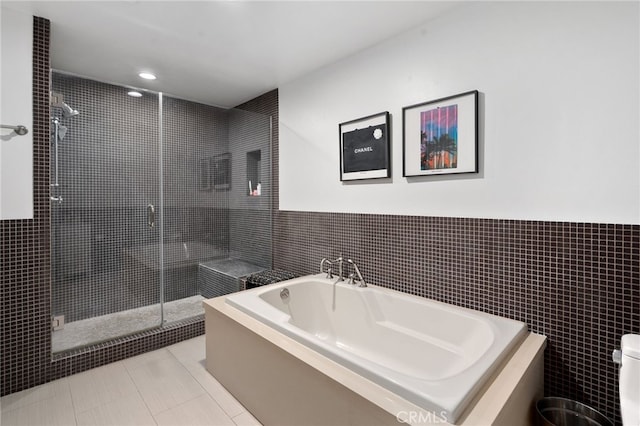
x=151 y=216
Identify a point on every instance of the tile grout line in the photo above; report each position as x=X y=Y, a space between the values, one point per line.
x=126 y=369
x=203 y=388
x=73 y=405
x=183 y=402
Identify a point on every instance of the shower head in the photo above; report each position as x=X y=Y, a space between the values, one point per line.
x=67 y=111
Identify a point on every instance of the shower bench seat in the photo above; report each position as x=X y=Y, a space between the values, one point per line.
x=223 y=276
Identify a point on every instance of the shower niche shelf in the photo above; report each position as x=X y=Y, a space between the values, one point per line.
x=254 y=165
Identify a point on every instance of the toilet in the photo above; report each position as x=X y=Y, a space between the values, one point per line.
x=628 y=356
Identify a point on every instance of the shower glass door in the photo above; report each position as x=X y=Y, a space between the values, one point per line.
x=105 y=212
x=156 y=204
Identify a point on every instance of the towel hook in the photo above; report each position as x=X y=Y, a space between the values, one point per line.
x=19 y=129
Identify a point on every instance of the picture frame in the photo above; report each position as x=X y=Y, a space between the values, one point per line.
x=365 y=151
x=440 y=137
x=221 y=172
x=204 y=174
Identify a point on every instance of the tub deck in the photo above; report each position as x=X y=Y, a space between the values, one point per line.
x=283 y=382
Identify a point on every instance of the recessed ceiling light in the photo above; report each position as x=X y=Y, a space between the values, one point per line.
x=134 y=94
x=147 y=76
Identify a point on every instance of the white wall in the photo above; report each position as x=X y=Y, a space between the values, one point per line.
x=559 y=104
x=16 y=152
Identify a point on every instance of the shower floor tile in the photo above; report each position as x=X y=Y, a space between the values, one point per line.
x=94 y=330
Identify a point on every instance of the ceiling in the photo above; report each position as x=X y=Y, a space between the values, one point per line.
x=217 y=52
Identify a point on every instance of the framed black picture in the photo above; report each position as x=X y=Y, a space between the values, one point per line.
x=441 y=137
x=221 y=172
x=364 y=148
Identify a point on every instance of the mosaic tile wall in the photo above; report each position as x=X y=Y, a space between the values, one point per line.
x=250 y=216
x=579 y=284
x=267 y=104
x=25 y=329
x=195 y=215
x=106 y=258
x=25 y=297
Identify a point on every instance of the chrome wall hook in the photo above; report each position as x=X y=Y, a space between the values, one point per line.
x=19 y=129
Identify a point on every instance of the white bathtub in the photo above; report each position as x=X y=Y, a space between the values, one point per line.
x=434 y=355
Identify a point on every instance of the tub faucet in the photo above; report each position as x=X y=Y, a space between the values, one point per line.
x=352 y=277
x=322 y=262
x=340 y=261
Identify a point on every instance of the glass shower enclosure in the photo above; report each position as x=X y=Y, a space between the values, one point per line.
x=151 y=210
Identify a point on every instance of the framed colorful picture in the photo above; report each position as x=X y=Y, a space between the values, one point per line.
x=364 y=148
x=441 y=137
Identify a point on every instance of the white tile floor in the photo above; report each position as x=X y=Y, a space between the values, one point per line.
x=169 y=387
